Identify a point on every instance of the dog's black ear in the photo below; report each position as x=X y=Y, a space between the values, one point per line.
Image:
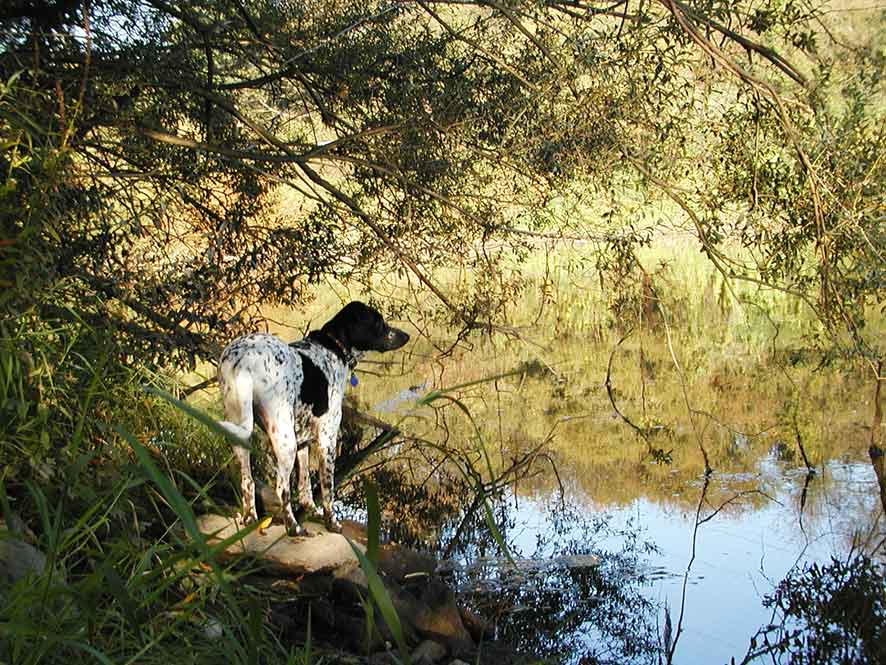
x=352 y=316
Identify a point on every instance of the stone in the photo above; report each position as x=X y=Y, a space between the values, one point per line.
x=428 y=653
x=213 y=629
x=430 y=607
x=349 y=584
x=577 y=560
x=479 y=629
x=320 y=551
x=18 y=559
x=18 y=528
x=402 y=563
x=354 y=531
x=353 y=574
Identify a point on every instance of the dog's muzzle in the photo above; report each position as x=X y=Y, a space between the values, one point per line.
x=394 y=339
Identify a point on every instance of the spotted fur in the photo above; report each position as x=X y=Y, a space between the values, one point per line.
x=294 y=392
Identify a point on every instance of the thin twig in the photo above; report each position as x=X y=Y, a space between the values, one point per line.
x=639 y=430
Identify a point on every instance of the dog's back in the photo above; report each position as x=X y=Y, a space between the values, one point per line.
x=295 y=392
x=258 y=374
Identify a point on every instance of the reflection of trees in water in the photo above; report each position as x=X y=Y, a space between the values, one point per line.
x=586 y=615
x=548 y=606
x=555 y=605
x=826 y=614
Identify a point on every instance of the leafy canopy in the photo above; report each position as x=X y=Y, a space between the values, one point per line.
x=170 y=167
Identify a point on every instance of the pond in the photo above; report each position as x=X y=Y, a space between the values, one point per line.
x=623 y=549
x=712 y=579
x=590 y=422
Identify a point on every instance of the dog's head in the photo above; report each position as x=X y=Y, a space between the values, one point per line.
x=358 y=326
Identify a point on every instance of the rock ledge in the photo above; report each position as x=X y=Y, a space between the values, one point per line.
x=319 y=552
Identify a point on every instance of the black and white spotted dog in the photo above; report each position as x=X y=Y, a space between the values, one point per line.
x=294 y=392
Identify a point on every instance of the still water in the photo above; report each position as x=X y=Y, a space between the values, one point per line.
x=627 y=553
x=749 y=532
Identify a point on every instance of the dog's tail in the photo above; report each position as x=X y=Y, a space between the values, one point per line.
x=239 y=431
x=237 y=395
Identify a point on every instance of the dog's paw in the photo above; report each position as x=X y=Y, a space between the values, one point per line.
x=332 y=525
x=247 y=518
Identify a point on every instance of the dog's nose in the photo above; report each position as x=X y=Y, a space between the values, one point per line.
x=397 y=338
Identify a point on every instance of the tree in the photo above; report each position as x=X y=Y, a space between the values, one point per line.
x=149 y=143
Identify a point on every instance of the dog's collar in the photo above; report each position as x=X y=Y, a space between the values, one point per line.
x=332 y=343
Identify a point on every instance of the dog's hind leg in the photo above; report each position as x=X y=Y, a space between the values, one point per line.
x=238 y=409
x=305 y=495
x=282 y=436
x=247 y=485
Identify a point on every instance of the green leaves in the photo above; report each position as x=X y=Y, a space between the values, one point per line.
x=175 y=195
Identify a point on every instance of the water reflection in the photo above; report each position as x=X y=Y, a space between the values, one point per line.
x=566 y=602
x=711 y=565
x=700 y=556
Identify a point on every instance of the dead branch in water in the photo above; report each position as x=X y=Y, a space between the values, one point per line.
x=877 y=455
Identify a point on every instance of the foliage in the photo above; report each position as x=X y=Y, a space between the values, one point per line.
x=170 y=168
x=832 y=613
x=121 y=586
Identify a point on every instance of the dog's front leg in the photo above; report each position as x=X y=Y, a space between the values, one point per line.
x=327 y=484
x=305 y=494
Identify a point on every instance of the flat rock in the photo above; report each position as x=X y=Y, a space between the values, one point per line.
x=320 y=551
x=18 y=559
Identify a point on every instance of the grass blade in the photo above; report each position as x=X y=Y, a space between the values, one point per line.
x=178 y=503
x=382 y=600
x=118 y=589
x=373 y=520
x=197 y=414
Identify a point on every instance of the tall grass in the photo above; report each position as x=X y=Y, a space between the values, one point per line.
x=123 y=582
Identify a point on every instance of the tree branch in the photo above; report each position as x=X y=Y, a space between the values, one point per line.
x=766 y=52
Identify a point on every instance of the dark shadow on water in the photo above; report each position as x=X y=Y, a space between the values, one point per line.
x=572 y=601
x=824 y=614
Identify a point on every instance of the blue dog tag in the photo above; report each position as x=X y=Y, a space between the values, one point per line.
x=354 y=380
